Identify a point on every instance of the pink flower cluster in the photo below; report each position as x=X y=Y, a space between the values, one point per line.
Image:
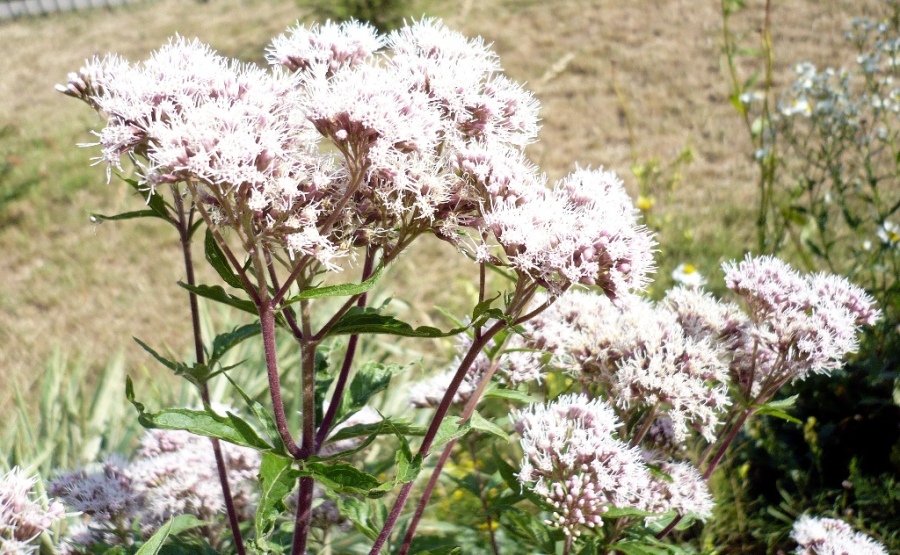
x=640 y=355
x=23 y=515
x=830 y=536
x=573 y=459
x=369 y=140
x=173 y=473
x=798 y=324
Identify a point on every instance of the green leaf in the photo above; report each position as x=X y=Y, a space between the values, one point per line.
x=637 y=548
x=370 y=320
x=372 y=378
x=779 y=409
x=277 y=478
x=265 y=418
x=360 y=514
x=175 y=525
x=448 y=431
x=483 y=307
x=510 y=395
x=219 y=261
x=127 y=216
x=342 y=478
x=339 y=290
x=226 y=341
x=482 y=424
x=230 y=428
x=616 y=512
x=218 y=294
x=400 y=425
x=197 y=374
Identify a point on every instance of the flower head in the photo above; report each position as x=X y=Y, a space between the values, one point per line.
x=334 y=46
x=830 y=536
x=800 y=324
x=23 y=516
x=574 y=461
x=584 y=230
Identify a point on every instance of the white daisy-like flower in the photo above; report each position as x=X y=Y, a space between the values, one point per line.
x=688 y=276
x=889 y=233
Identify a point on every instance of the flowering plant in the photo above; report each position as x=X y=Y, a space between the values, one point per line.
x=353 y=147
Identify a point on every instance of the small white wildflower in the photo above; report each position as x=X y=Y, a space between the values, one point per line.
x=889 y=234
x=688 y=276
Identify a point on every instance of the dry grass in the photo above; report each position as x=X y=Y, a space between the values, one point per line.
x=86 y=288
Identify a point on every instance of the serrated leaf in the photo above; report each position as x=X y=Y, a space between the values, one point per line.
x=197 y=374
x=277 y=478
x=779 y=409
x=218 y=294
x=217 y=259
x=175 y=525
x=359 y=320
x=510 y=395
x=400 y=425
x=483 y=307
x=339 y=290
x=616 y=512
x=227 y=341
x=637 y=548
x=357 y=511
x=230 y=428
x=265 y=418
x=482 y=424
x=341 y=478
x=448 y=431
x=369 y=380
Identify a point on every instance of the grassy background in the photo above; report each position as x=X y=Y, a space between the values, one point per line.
x=620 y=82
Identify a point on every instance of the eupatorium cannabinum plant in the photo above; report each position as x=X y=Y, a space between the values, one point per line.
x=325 y=168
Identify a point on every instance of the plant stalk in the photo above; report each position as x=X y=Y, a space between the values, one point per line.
x=184 y=226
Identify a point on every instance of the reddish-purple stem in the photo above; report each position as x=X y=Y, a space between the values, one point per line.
x=184 y=225
x=431 y=433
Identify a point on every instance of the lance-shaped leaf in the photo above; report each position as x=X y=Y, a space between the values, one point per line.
x=277 y=477
x=449 y=430
x=218 y=294
x=226 y=341
x=339 y=290
x=126 y=216
x=359 y=320
x=342 y=478
x=264 y=416
x=400 y=425
x=197 y=374
x=173 y=526
x=372 y=378
x=219 y=261
x=206 y=422
x=482 y=424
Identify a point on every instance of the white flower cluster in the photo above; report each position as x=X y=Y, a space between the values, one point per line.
x=573 y=459
x=173 y=473
x=370 y=140
x=23 y=515
x=584 y=231
x=642 y=356
x=798 y=323
x=830 y=536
